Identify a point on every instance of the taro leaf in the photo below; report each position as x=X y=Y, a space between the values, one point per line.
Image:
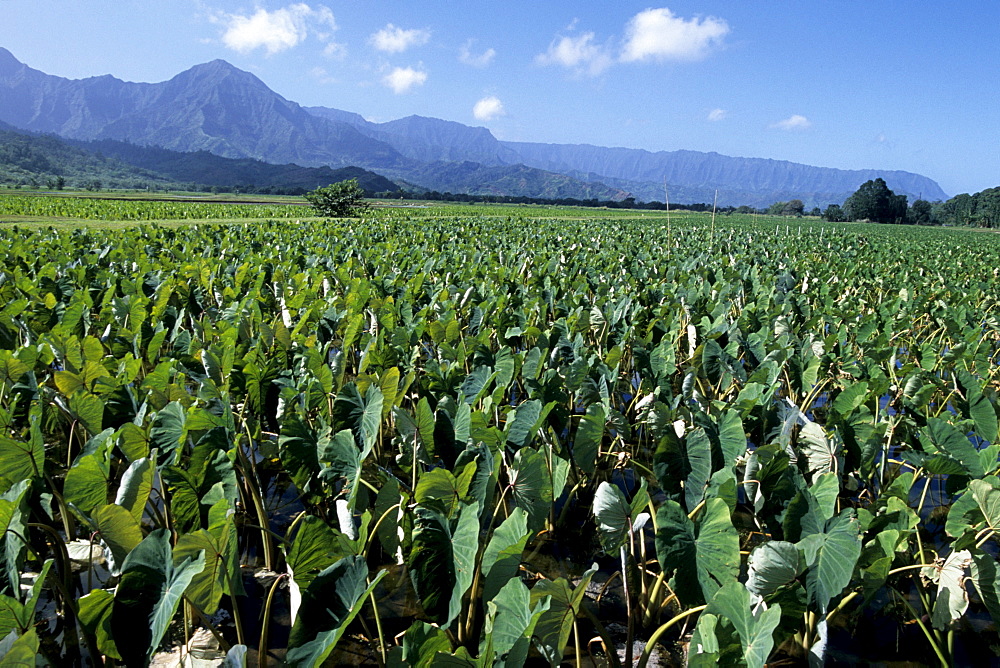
x=86 y=484
x=88 y=408
x=362 y=416
x=714 y=361
x=819 y=450
x=425 y=426
x=22 y=652
x=952 y=601
x=342 y=460
x=553 y=628
x=520 y=428
x=12 y=510
x=510 y=624
x=732 y=603
x=95 y=618
x=980 y=408
x=703 y=555
x=150 y=589
x=118 y=530
x=21 y=460
x=830 y=558
x=732 y=436
x=947 y=439
x=475 y=383
x=298 y=447
x=314 y=548
x=986 y=578
x=613 y=515
x=703 y=650
x=589 y=435
x=421 y=643
x=222 y=566
x=811 y=507
x=136 y=484
x=502 y=556
x=662 y=359
x=389 y=500
x=441 y=489
x=236 y=657
x=531 y=486
x=979 y=505
x=442 y=560
x=329 y=605
x=167 y=431
x=18 y=616
x=699 y=457
x=850 y=398
x=482 y=485
x=388 y=382
x=772 y=565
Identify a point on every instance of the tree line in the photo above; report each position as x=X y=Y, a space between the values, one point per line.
x=875 y=202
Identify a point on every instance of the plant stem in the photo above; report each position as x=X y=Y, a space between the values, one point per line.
x=605 y=638
x=923 y=627
x=265 y=626
x=653 y=639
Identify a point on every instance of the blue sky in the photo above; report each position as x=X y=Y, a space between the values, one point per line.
x=884 y=84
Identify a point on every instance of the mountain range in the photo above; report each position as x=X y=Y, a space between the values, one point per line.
x=218 y=108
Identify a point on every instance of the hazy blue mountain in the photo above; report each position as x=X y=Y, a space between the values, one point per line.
x=516 y=180
x=31 y=160
x=213 y=107
x=28 y=159
x=218 y=108
x=691 y=176
x=694 y=176
x=430 y=139
x=206 y=168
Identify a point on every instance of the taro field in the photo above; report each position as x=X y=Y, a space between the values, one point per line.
x=479 y=436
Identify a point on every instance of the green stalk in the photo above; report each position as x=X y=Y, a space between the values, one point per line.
x=258 y=504
x=378 y=626
x=630 y=631
x=266 y=625
x=237 y=620
x=655 y=638
x=930 y=638
x=65 y=585
x=609 y=644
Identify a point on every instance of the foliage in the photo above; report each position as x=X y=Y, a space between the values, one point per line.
x=776 y=435
x=338 y=200
x=874 y=202
x=835 y=214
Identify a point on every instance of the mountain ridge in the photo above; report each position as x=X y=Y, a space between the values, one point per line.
x=229 y=112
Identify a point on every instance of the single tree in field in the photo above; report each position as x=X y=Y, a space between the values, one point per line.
x=338 y=200
x=875 y=202
x=835 y=214
x=920 y=213
x=793 y=207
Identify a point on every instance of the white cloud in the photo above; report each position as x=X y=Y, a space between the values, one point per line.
x=716 y=115
x=793 y=122
x=488 y=108
x=580 y=54
x=275 y=31
x=483 y=59
x=402 y=79
x=396 y=40
x=335 y=50
x=321 y=75
x=658 y=34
